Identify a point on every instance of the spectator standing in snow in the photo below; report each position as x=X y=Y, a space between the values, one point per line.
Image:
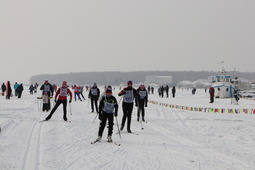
x=16 y=85
x=3 y=87
x=152 y=90
x=141 y=101
x=62 y=94
x=94 y=94
x=31 y=89
x=167 y=90
x=108 y=108
x=129 y=94
x=8 y=90
x=194 y=91
x=20 y=90
x=173 y=91
x=211 y=92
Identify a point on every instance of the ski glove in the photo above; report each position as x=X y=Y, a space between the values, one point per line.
x=55 y=100
x=70 y=101
x=116 y=114
x=146 y=105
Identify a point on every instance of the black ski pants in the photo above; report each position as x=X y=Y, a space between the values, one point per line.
x=127 y=114
x=94 y=101
x=64 y=102
x=105 y=117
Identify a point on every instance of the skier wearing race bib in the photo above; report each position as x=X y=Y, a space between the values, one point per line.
x=141 y=101
x=108 y=108
x=94 y=94
x=62 y=94
x=46 y=88
x=129 y=94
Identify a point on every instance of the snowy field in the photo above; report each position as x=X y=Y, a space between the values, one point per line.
x=172 y=139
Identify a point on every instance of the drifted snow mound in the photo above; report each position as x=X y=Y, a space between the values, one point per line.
x=198 y=83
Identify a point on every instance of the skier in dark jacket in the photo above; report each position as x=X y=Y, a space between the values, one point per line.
x=3 y=87
x=47 y=89
x=211 y=92
x=8 y=90
x=173 y=91
x=141 y=101
x=20 y=90
x=108 y=108
x=62 y=94
x=94 y=95
x=129 y=94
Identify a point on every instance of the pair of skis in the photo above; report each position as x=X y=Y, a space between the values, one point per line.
x=96 y=141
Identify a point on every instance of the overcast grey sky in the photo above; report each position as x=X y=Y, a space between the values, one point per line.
x=62 y=36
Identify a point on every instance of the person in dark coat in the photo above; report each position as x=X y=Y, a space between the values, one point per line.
x=167 y=90
x=8 y=90
x=173 y=91
x=108 y=108
x=162 y=91
x=20 y=90
x=141 y=101
x=94 y=95
x=211 y=92
x=129 y=94
x=31 y=89
x=3 y=87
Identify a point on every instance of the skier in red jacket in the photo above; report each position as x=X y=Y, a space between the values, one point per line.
x=62 y=94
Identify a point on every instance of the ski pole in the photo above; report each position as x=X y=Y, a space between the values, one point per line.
x=118 y=127
x=120 y=99
x=70 y=108
x=95 y=117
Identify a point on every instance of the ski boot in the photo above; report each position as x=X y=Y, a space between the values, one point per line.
x=109 y=138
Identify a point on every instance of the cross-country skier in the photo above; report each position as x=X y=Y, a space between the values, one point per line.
x=127 y=105
x=62 y=94
x=76 y=92
x=81 y=92
x=108 y=108
x=47 y=88
x=94 y=94
x=141 y=101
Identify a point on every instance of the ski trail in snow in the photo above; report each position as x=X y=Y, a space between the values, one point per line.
x=32 y=155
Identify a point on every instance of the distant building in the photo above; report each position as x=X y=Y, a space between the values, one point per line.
x=159 y=80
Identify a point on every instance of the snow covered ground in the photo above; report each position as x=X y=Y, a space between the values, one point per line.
x=171 y=138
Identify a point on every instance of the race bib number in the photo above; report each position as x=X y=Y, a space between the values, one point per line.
x=142 y=94
x=94 y=92
x=128 y=96
x=108 y=107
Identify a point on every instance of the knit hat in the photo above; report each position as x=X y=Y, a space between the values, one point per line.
x=130 y=82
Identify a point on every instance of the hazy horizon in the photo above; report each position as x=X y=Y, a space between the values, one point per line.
x=62 y=36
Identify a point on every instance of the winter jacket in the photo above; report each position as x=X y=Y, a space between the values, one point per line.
x=94 y=93
x=62 y=93
x=108 y=105
x=47 y=88
x=211 y=91
x=129 y=94
x=141 y=96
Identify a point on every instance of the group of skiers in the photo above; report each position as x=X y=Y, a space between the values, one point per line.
x=162 y=90
x=7 y=89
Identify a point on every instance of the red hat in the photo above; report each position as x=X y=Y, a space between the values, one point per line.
x=46 y=81
x=64 y=83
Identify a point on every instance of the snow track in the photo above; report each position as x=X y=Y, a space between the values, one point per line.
x=172 y=139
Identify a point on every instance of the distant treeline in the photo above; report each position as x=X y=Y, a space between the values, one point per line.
x=117 y=78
